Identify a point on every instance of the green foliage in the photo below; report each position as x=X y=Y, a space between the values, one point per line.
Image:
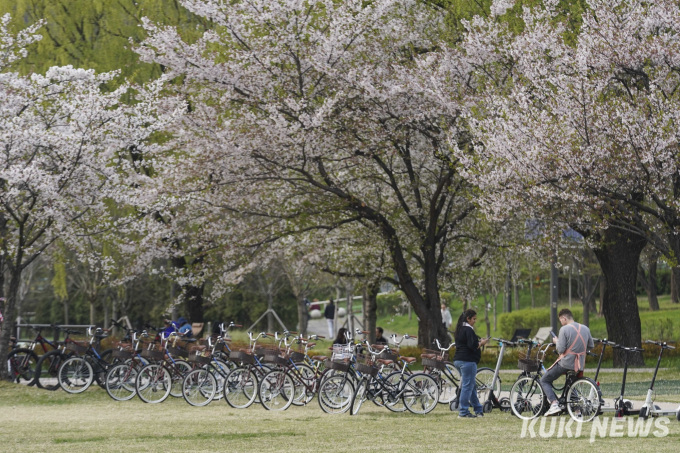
x=528 y=319
x=96 y=34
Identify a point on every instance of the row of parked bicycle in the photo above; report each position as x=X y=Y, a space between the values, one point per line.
x=277 y=370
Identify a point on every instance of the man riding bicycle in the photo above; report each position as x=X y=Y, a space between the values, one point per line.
x=572 y=344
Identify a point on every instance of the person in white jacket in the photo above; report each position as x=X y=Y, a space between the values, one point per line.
x=446 y=317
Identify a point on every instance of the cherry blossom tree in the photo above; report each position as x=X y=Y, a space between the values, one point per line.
x=301 y=121
x=582 y=132
x=60 y=136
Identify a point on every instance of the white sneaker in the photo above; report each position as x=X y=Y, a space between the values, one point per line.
x=554 y=409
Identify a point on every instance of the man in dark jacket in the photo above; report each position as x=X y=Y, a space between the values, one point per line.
x=379 y=339
x=329 y=314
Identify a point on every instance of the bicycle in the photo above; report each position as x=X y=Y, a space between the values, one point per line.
x=76 y=374
x=164 y=376
x=120 y=379
x=204 y=384
x=580 y=395
x=447 y=376
x=46 y=371
x=22 y=362
x=419 y=392
x=242 y=383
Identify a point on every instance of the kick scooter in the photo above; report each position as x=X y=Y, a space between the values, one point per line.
x=649 y=409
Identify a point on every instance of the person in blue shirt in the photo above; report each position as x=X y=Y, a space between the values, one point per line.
x=170 y=327
x=185 y=327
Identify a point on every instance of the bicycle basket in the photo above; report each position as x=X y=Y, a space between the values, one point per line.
x=387 y=355
x=529 y=362
x=272 y=354
x=122 y=354
x=432 y=363
x=178 y=352
x=198 y=357
x=241 y=356
x=77 y=348
x=364 y=365
x=153 y=354
x=341 y=352
x=296 y=352
x=337 y=366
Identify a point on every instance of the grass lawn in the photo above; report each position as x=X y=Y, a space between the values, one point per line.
x=32 y=420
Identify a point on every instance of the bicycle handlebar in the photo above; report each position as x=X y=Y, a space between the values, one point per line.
x=439 y=345
x=508 y=342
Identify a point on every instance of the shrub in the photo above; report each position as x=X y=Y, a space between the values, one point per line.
x=532 y=318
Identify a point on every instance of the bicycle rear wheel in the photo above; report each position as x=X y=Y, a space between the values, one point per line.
x=306 y=376
x=583 y=400
x=448 y=383
x=335 y=394
x=120 y=382
x=153 y=384
x=46 y=372
x=22 y=365
x=75 y=375
x=421 y=393
x=222 y=369
x=199 y=387
x=277 y=390
x=527 y=398
x=240 y=388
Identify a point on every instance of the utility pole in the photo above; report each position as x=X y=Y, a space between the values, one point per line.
x=508 y=289
x=554 y=293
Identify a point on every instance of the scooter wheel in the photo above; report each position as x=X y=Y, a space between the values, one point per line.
x=678 y=415
x=454 y=405
x=487 y=407
x=505 y=404
x=643 y=413
x=628 y=404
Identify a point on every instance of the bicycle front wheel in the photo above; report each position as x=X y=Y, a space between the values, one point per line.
x=358 y=397
x=177 y=373
x=240 y=388
x=527 y=398
x=120 y=382
x=335 y=394
x=421 y=393
x=75 y=375
x=277 y=391
x=153 y=384
x=199 y=387
x=583 y=400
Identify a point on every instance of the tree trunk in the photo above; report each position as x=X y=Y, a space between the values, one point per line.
x=487 y=321
x=516 y=291
x=302 y=314
x=652 y=294
x=92 y=301
x=9 y=315
x=619 y=256
x=586 y=313
x=193 y=301
x=675 y=282
x=570 y=287
x=495 y=317
x=372 y=310
x=603 y=289
x=531 y=290
x=66 y=303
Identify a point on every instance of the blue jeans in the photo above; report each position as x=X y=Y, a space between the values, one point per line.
x=548 y=378
x=468 y=388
